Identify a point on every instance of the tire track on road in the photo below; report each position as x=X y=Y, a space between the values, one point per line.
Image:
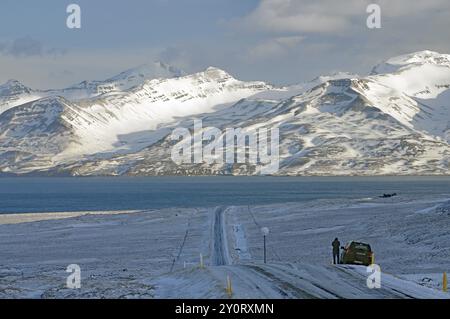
x=219 y=255
x=286 y=288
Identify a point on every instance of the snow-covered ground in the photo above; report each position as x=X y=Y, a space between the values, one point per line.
x=156 y=254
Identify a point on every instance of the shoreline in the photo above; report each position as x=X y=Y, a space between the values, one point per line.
x=19 y=218
x=323 y=203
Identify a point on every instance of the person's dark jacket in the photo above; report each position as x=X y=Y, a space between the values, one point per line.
x=336 y=244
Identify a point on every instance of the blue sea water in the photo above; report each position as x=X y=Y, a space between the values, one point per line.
x=58 y=194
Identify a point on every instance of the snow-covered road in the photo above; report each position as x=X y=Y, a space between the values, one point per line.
x=219 y=254
x=156 y=254
x=289 y=281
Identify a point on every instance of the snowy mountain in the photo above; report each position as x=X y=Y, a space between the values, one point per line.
x=14 y=93
x=394 y=121
x=125 y=80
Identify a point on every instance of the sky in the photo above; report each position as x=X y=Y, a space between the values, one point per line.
x=277 y=41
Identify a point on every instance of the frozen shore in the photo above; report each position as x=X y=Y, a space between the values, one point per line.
x=35 y=217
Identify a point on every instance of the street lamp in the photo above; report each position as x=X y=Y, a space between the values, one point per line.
x=265 y=232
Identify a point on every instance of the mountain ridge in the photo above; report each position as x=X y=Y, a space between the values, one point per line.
x=385 y=123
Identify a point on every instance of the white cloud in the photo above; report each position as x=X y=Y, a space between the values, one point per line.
x=274 y=47
x=28 y=47
x=46 y=71
x=328 y=16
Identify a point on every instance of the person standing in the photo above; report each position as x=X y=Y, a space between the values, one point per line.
x=336 y=244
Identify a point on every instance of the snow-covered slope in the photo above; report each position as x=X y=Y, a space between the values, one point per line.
x=394 y=121
x=127 y=120
x=113 y=123
x=414 y=89
x=332 y=129
x=14 y=93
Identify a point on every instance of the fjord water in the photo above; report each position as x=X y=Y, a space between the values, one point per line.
x=64 y=194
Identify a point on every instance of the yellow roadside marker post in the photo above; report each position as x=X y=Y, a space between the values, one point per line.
x=201 y=262
x=444 y=282
x=229 y=289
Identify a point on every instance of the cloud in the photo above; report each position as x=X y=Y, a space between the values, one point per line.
x=179 y=57
x=274 y=47
x=279 y=41
x=44 y=72
x=170 y=54
x=63 y=74
x=28 y=47
x=327 y=16
x=334 y=34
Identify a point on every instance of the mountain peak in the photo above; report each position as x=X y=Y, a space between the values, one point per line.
x=412 y=59
x=213 y=68
x=153 y=70
x=130 y=78
x=421 y=57
x=13 y=87
x=338 y=75
x=11 y=82
x=216 y=73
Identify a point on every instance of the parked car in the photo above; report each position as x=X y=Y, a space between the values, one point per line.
x=357 y=253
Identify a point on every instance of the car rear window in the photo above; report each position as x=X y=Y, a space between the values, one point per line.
x=362 y=247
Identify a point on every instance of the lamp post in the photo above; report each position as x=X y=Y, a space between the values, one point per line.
x=265 y=232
